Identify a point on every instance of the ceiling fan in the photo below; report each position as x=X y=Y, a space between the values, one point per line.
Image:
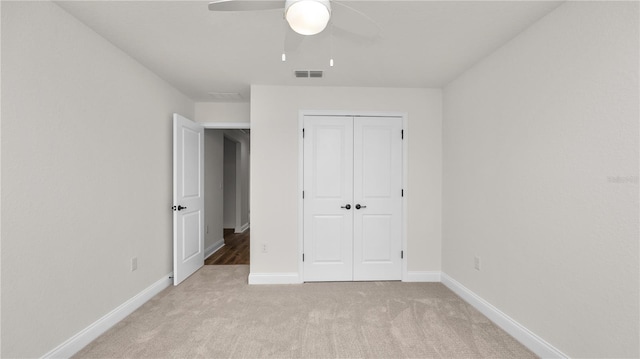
x=309 y=17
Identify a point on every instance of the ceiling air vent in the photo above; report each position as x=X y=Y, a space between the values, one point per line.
x=308 y=74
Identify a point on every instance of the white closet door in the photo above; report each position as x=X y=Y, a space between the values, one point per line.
x=328 y=191
x=377 y=237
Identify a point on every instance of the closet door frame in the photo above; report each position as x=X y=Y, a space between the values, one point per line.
x=301 y=115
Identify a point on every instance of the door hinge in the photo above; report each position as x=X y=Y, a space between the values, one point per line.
x=401 y=254
x=302 y=194
x=402 y=193
x=402 y=134
x=303 y=133
x=303 y=257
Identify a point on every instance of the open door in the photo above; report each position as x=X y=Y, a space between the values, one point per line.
x=188 y=198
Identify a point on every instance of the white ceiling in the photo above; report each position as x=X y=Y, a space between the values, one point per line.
x=420 y=43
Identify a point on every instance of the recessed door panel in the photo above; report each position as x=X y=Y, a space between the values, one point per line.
x=377 y=166
x=328 y=162
x=190 y=163
x=377 y=231
x=328 y=232
x=191 y=224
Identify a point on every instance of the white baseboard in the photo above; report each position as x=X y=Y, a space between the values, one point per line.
x=213 y=248
x=274 y=278
x=74 y=344
x=242 y=228
x=422 y=276
x=536 y=344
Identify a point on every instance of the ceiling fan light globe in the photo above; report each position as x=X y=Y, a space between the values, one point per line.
x=308 y=17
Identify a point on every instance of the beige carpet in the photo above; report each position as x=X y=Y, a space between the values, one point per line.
x=215 y=314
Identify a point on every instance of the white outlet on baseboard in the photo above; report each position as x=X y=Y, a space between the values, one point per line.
x=476 y=263
x=134 y=263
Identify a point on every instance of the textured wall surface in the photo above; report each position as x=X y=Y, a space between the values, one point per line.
x=86 y=177
x=541 y=179
x=230 y=172
x=274 y=167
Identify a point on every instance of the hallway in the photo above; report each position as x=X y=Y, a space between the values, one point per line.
x=234 y=251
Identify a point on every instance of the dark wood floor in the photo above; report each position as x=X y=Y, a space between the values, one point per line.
x=235 y=250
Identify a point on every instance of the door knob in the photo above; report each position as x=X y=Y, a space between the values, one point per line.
x=347 y=206
x=358 y=206
x=180 y=208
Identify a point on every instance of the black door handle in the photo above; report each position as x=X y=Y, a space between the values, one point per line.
x=348 y=207
x=180 y=208
x=358 y=206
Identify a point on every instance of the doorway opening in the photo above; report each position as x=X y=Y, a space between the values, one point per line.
x=235 y=250
x=227 y=234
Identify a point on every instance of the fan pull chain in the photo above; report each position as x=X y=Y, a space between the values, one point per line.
x=331 y=46
x=284 y=42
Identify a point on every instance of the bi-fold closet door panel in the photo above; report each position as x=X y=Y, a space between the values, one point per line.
x=377 y=190
x=328 y=192
x=353 y=198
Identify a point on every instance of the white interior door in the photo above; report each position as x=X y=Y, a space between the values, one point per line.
x=377 y=197
x=328 y=191
x=352 y=198
x=188 y=198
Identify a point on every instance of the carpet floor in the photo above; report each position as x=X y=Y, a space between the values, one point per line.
x=216 y=314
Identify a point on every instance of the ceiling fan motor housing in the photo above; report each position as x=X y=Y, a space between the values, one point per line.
x=307 y=17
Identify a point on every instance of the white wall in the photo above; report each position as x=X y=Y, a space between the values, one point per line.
x=244 y=139
x=222 y=112
x=213 y=188
x=274 y=167
x=86 y=176
x=541 y=179
x=230 y=172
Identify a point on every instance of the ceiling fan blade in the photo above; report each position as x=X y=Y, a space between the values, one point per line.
x=351 y=22
x=354 y=37
x=292 y=40
x=245 y=5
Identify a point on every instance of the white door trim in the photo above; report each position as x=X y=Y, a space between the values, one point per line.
x=226 y=125
x=301 y=115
